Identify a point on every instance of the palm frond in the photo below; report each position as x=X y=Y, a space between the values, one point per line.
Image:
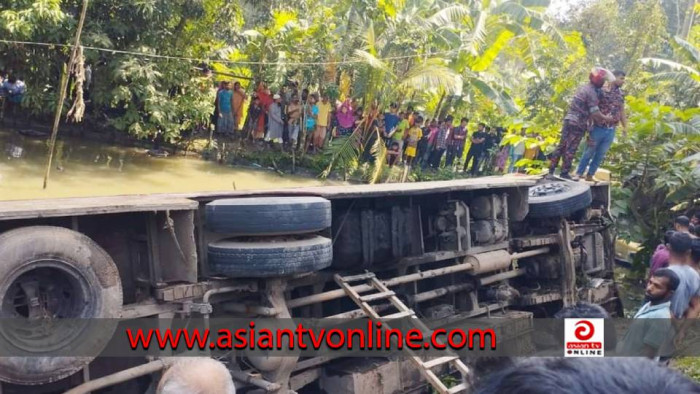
x=251 y=33
x=449 y=38
x=675 y=66
x=453 y=14
x=536 y=3
x=431 y=74
x=343 y=149
x=496 y=95
x=520 y=12
x=514 y=10
x=692 y=158
x=682 y=128
x=680 y=77
x=553 y=33
x=695 y=121
x=379 y=153
x=692 y=52
x=371 y=39
x=350 y=32
x=527 y=51
x=372 y=61
x=477 y=38
x=500 y=40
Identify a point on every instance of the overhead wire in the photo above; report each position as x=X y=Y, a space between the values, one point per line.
x=225 y=61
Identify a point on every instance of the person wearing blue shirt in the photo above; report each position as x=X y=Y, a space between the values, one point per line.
x=391 y=120
x=685 y=303
x=225 y=123
x=13 y=90
x=686 y=300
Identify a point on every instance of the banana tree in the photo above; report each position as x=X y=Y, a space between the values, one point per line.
x=683 y=74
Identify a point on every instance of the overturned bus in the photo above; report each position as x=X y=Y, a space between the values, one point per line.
x=516 y=247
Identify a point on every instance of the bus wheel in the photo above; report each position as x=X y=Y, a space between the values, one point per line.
x=60 y=298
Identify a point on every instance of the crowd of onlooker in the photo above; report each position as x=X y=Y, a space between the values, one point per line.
x=12 y=90
x=301 y=120
x=672 y=294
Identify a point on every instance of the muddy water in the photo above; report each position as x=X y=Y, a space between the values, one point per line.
x=85 y=168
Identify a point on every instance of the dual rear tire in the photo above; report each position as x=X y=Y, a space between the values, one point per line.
x=269 y=236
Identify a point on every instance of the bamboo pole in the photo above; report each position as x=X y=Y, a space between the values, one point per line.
x=62 y=92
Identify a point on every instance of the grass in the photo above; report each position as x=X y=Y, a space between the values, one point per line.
x=688 y=366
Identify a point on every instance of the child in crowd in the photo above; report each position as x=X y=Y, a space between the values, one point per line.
x=413 y=135
x=392 y=155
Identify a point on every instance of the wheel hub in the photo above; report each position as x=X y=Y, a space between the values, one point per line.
x=548 y=189
x=45 y=305
x=44 y=292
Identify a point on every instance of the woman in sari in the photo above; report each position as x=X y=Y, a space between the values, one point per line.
x=238 y=101
x=265 y=100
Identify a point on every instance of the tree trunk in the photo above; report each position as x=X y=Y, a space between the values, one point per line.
x=446 y=107
x=679 y=23
x=688 y=19
x=437 y=109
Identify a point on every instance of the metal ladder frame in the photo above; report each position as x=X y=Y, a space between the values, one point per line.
x=383 y=292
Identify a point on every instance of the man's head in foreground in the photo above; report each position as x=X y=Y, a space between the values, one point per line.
x=587 y=375
x=661 y=286
x=196 y=375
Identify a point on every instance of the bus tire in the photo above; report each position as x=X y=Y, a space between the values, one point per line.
x=558 y=199
x=264 y=257
x=268 y=215
x=53 y=275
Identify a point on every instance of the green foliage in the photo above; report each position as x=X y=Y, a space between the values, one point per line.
x=140 y=95
x=617 y=33
x=689 y=366
x=681 y=77
x=344 y=151
x=654 y=170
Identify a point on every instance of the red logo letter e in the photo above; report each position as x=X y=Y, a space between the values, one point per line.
x=585 y=331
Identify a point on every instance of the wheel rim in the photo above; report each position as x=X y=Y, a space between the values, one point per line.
x=42 y=295
x=549 y=189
